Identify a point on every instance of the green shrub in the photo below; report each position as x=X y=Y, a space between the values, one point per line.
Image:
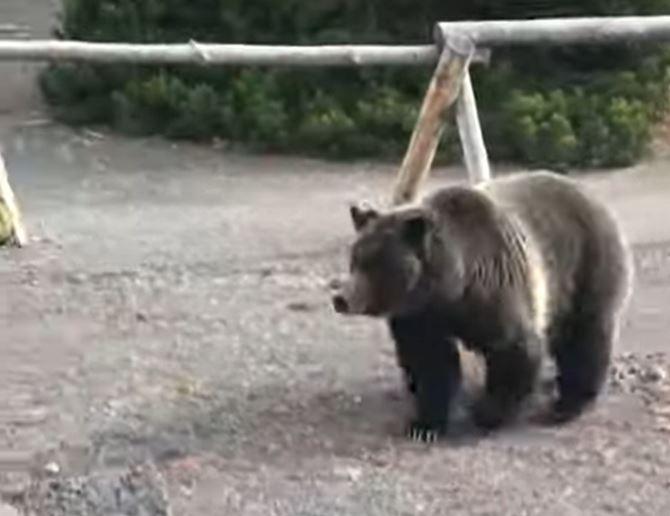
x=540 y=128
x=254 y=110
x=328 y=127
x=556 y=107
x=567 y=130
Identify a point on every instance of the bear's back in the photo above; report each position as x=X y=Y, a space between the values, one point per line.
x=577 y=237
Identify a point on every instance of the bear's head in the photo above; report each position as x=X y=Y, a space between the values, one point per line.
x=390 y=261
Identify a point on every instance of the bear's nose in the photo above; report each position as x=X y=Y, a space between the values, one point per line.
x=340 y=304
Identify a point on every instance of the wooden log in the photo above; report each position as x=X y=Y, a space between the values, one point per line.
x=224 y=54
x=17 y=233
x=559 y=31
x=443 y=91
x=470 y=132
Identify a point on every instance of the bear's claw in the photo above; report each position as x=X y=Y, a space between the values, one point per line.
x=423 y=433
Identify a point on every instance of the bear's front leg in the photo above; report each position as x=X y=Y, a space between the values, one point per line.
x=431 y=364
x=512 y=370
x=436 y=385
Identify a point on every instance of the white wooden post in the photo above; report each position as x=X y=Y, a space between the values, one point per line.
x=470 y=132
x=7 y=197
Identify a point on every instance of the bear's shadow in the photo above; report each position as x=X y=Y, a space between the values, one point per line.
x=271 y=423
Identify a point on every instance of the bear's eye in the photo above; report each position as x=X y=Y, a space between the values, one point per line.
x=363 y=263
x=364 y=257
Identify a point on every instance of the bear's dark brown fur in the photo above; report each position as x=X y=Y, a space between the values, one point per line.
x=509 y=268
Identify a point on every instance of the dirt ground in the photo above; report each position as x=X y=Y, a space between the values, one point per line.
x=172 y=309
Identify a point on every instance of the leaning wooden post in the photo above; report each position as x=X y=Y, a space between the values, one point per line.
x=443 y=90
x=11 y=222
x=470 y=132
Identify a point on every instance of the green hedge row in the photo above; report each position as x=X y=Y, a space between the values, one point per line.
x=565 y=107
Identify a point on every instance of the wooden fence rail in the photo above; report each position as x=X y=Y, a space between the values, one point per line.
x=224 y=54
x=559 y=31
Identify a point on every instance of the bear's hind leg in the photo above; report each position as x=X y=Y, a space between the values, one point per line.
x=582 y=353
x=432 y=369
x=511 y=376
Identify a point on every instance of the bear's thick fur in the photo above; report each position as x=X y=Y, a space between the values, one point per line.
x=509 y=268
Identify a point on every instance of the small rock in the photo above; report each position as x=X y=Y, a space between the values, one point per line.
x=266 y=272
x=633 y=369
x=300 y=306
x=655 y=374
x=608 y=455
x=77 y=278
x=52 y=468
x=188 y=387
x=353 y=474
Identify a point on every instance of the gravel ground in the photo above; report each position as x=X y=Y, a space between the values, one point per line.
x=168 y=346
x=172 y=310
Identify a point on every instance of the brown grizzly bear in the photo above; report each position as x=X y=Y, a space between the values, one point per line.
x=512 y=267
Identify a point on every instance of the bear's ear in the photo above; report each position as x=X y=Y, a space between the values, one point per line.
x=416 y=227
x=361 y=214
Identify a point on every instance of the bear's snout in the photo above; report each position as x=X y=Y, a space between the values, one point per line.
x=352 y=296
x=339 y=300
x=349 y=298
